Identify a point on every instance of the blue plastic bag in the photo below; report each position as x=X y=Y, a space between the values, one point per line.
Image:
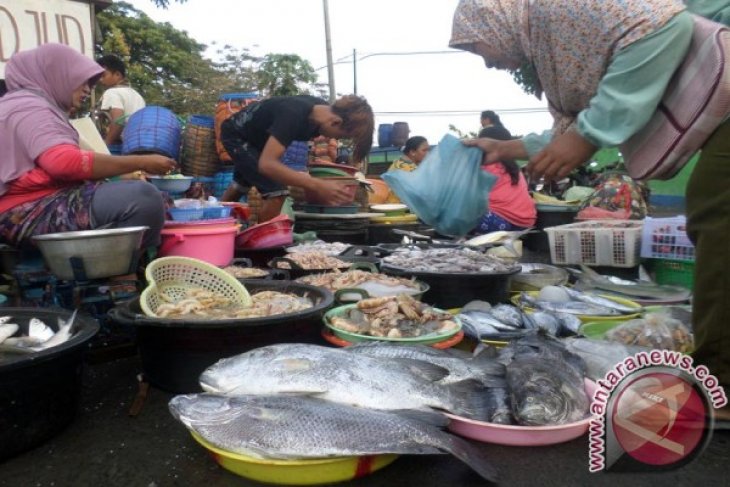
x=449 y=190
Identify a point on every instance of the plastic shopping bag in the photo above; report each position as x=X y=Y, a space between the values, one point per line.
x=449 y=190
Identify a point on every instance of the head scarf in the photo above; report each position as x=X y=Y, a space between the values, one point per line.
x=569 y=45
x=33 y=114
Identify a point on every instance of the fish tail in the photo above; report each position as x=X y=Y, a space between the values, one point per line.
x=470 y=454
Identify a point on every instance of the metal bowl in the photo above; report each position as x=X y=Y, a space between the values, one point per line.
x=91 y=254
x=171 y=184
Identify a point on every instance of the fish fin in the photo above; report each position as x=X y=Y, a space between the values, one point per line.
x=473 y=456
x=430 y=417
x=425 y=370
x=484 y=353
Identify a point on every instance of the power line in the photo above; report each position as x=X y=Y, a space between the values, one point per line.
x=347 y=59
x=441 y=113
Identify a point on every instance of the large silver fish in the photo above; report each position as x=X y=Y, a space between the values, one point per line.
x=590 y=279
x=591 y=298
x=568 y=307
x=286 y=427
x=343 y=377
x=481 y=367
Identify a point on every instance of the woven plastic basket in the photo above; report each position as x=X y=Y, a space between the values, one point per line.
x=175 y=276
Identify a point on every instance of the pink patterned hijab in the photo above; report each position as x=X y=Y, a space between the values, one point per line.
x=33 y=114
x=569 y=43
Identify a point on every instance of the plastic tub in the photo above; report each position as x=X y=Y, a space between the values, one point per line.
x=213 y=245
x=175 y=352
x=277 y=231
x=39 y=392
x=351 y=185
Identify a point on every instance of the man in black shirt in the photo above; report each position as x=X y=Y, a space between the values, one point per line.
x=256 y=138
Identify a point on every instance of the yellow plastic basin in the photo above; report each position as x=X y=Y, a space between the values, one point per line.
x=297 y=472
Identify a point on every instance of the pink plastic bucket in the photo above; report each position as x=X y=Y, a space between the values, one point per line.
x=213 y=245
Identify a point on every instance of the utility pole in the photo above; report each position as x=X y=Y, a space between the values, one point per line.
x=354 y=71
x=328 y=42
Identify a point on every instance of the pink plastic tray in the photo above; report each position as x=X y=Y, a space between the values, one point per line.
x=512 y=435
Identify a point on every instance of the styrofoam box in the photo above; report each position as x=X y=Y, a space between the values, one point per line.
x=614 y=243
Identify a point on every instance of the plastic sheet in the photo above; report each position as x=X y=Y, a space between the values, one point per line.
x=449 y=191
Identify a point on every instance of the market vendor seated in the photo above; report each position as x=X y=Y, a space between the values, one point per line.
x=414 y=152
x=47 y=183
x=257 y=136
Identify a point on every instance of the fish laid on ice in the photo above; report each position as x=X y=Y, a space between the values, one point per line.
x=343 y=377
x=480 y=367
x=300 y=427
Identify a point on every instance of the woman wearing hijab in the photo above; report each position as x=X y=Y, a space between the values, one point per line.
x=47 y=183
x=604 y=68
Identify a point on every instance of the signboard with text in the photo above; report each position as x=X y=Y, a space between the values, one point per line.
x=25 y=24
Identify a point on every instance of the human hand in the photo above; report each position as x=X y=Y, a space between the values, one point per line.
x=490 y=147
x=157 y=164
x=331 y=193
x=561 y=156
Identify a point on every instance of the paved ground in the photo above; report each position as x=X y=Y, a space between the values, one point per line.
x=104 y=446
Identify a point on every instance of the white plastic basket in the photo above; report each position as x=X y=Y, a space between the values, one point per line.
x=666 y=238
x=615 y=243
x=175 y=276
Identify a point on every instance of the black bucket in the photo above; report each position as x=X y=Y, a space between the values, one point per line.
x=455 y=290
x=261 y=257
x=538 y=241
x=295 y=271
x=39 y=392
x=175 y=352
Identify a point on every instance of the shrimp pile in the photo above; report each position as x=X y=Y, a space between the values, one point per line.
x=334 y=281
x=203 y=304
x=245 y=272
x=314 y=260
x=394 y=317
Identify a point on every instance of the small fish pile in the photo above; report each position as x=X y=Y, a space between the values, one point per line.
x=448 y=261
x=302 y=427
x=561 y=299
x=39 y=336
x=546 y=382
x=327 y=248
x=654 y=330
x=203 y=304
x=394 y=317
x=313 y=261
x=376 y=285
x=641 y=290
x=480 y=320
x=240 y=272
x=344 y=377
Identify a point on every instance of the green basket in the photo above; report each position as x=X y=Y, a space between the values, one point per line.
x=674 y=272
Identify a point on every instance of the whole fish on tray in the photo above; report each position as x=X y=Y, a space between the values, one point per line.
x=590 y=279
x=344 y=377
x=39 y=335
x=301 y=427
x=545 y=381
x=507 y=322
x=480 y=367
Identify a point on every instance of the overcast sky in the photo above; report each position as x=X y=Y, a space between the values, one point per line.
x=429 y=91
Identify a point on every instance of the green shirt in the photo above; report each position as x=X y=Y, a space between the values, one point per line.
x=636 y=80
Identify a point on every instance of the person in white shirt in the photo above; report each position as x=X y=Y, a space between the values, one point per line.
x=119 y=99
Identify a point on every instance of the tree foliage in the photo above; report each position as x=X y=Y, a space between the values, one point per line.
x=169 y=68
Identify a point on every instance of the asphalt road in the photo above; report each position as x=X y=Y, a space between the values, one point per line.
x=104 y=446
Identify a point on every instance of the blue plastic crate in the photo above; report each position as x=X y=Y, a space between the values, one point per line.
x=296 y=155
x=216 y=212
x=187 y=214
x=202 y=121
